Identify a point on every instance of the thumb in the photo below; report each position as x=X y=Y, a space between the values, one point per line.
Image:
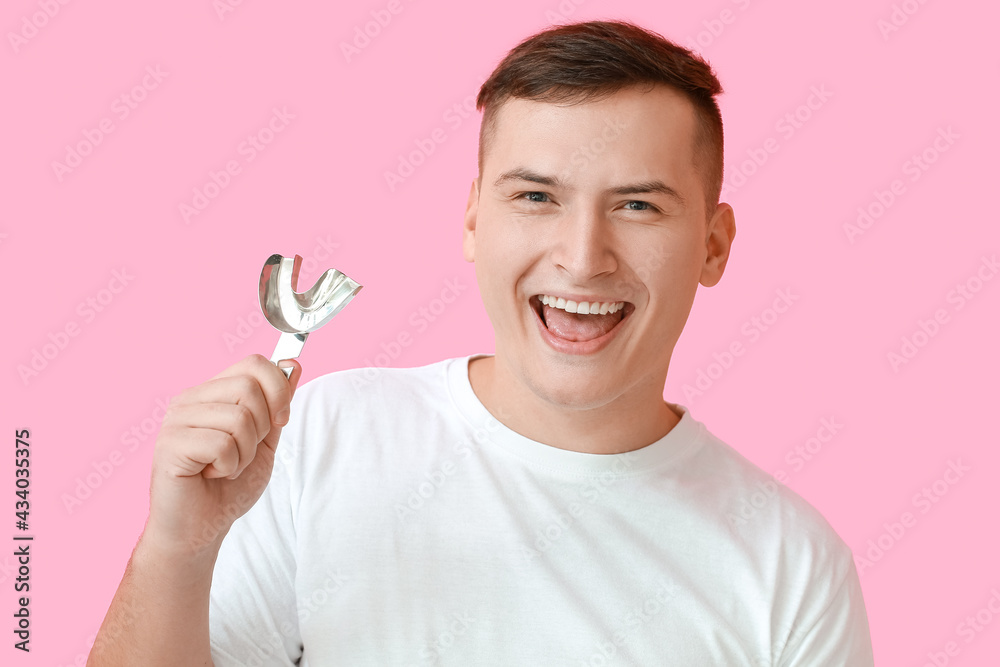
x=293 y=379
x=280 y=420
x=293 y=383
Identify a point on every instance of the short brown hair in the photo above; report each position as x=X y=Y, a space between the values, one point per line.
x=581 y=62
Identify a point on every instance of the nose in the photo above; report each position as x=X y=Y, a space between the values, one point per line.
x=584 y=247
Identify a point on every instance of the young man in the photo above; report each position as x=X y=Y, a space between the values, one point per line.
x=540 y=506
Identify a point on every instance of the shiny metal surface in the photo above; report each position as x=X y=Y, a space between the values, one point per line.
x=293 y=313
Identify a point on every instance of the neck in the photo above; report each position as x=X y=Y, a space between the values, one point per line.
x=623 y=425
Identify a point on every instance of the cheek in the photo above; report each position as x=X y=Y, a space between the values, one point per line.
x=517 y=239
x=678 y=254
x=666 y=261
x=671 y=276
x=507 y=250
x=672 y=290
x=493 y=274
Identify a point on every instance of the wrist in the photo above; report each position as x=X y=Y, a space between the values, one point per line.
x=187 y=553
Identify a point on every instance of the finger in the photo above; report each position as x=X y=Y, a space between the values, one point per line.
x=191 y=450
x=293 y=382
x=233 y=418
x=241 y=389
x=281 y=419
x=272 y=382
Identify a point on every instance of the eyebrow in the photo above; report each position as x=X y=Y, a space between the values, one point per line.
x=644 y=187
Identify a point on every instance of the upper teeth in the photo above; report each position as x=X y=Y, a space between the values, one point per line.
x=595 y=308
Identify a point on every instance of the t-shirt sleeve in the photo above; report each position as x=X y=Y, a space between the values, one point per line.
x=253 y=620
x=839 y=637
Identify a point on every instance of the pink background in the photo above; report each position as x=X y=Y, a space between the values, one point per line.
x=319 y=189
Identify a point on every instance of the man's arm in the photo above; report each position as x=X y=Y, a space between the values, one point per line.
x=159 y=616
x=213 y=458
x=840 y=636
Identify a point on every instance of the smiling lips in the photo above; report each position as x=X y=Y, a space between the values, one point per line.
x=578 y=322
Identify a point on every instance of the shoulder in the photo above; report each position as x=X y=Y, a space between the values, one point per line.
x=767 y=517
x=360 y=414
x=373 y=384
x=777 y=544
x=362 y=404
x=802 y=567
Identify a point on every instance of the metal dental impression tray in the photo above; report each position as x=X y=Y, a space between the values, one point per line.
x=295 y=314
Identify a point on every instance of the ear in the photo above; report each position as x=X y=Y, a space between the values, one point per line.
x=718 y=243
x=469 y=228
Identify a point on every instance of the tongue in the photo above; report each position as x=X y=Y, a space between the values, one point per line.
x=576 y=327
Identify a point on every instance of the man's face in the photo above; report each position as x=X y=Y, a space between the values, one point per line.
x=596 y=202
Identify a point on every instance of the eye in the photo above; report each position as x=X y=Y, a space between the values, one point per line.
x=646 y=206
x=534 y=197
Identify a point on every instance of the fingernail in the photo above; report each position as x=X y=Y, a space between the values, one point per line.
x=282 y=417
x=235 y=474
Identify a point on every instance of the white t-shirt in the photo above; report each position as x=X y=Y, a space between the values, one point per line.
x=404 y=525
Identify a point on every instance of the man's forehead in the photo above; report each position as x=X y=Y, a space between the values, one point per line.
x=657 y=98
x=656 y=125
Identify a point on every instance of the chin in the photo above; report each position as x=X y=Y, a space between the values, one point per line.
x=573 y=392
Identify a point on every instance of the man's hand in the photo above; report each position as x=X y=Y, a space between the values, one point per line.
x=214 y=454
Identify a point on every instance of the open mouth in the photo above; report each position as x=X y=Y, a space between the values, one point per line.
x=559 y=318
